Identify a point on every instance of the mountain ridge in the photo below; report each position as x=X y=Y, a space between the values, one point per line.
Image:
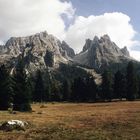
x=101 y=52
x=34 y=48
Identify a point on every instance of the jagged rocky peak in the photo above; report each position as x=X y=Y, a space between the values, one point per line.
x=66 y=50
x=13 y=41
x=96 y=39
x=105 y=37
x=125 y=51
x=35 y=49
x=101 y=52
x=87 y=45
x=39 y=40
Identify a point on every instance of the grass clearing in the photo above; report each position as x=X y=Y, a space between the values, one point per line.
x=71 y=121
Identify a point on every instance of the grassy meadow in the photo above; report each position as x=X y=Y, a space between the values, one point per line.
x=73 y=121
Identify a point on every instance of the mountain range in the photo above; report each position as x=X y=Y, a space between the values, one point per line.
x=36 y=50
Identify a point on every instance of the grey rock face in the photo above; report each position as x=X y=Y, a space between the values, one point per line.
x=100 y=53
x=66 y=50
x=125 y=51
x=33 y=50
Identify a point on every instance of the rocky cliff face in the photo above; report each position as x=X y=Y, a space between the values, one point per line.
x=125 y=51
x=66 y=50
x=35 y=49
x=100 y=53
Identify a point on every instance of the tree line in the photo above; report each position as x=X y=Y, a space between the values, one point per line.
x=74 y=85
x=14 y=89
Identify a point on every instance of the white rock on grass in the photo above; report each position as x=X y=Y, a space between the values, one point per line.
x=17 y=122
x=13 y=125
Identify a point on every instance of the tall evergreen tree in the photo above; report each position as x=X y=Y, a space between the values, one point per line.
x=131 y=82
x=107 y=86
x=6 y=88
x=138 y=83
x=21 y=90
x=56 y=91
x=48 y=84
x=66 y=90
x=79 y=92
x=75 y=89
x=39 y=90
x=91 y=89
x=119 y=85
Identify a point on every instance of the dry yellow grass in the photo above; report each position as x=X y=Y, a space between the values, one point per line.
x=67 y=121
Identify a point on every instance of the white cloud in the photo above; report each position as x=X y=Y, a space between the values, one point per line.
x=116 y=25
x=25 y=17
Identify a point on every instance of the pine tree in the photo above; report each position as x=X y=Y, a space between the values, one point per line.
x=75 y=89
x=48 y=85
x=21 y=90
x=107 y=86
x=138 y=83
x=79 y=92
x=91 y=88
x=55 y=91
x=131 y=82
x=6 y=88
x=66 y=90
x=82 y=90
x=39 y=90
x=119 y=85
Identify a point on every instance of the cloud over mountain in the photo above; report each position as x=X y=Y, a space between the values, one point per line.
x=116 y=25
x=25 y=17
